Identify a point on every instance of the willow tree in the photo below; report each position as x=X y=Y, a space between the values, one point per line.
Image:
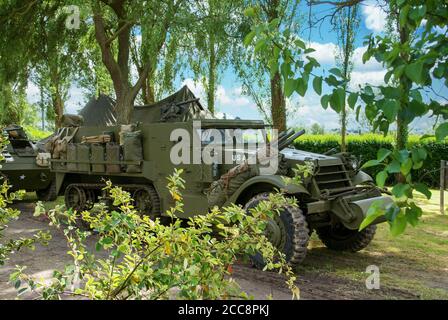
x=12 y=103
x=278 y=15
x=157 y=42
x=346 y=24
x=91 y=74
x=114 y=20
x=56 y=58
x=415 y=60
x=35 y=38
x=212 y=35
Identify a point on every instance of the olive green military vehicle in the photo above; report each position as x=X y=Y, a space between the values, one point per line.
x=333 y=201
x=26 y=165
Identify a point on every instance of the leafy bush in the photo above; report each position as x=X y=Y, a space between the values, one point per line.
x=366 y=146
x=8 y=214
x=145 y=259
x=36 y=134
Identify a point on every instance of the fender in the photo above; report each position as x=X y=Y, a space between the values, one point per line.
x=59 y=181
x=274 y=180
x=361 y=177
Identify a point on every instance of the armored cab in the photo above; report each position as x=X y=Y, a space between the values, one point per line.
x=26 y=165
x=178 y=133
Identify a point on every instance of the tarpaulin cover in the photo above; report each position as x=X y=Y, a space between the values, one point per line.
x=172 y=108
x=180 y=106
x=99 y=112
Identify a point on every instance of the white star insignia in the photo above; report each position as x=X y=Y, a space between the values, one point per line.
x=22 y=177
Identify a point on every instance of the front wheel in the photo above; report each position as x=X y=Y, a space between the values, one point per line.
x=288 y=232
x=340 y=238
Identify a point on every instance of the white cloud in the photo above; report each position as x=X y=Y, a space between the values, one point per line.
x=375 y=17
x=325 y=52
x=370 y=65
x=196 y=87
x=230 y=99
x=310 y=111
x=371 y=72
x=370 y=77
x=222 y=115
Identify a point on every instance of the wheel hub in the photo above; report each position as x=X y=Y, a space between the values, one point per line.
x=274 y=232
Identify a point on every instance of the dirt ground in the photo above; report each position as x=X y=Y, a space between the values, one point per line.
x=418 y=272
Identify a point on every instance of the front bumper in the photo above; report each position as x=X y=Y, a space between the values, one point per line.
x=350 y=210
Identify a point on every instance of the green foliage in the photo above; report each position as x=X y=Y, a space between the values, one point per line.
x=8 y=214
x=413 y=56
x=213 y=33
x=13 y=104
x=36 y=134
x=261 y=64
x=366 y=146
x=145 y=259
x=301 y=174
x=411 y=59
x=317 y=129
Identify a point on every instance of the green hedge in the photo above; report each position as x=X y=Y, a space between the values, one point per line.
x=365 y=147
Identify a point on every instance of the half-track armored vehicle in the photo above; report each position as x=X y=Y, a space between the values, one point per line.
x=333 y=201
x=26 y=165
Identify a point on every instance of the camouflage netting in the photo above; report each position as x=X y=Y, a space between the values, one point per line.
x=180 y=106
x=229 y=182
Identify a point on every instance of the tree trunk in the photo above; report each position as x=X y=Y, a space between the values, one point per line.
x=347 y=52
x=343 y=129
x=118 y=67
x=149 y=87
x=211 y=76
x=278 y=109
x=56 y=96
x=124 y=107
x=58 y=107
x=401 y=138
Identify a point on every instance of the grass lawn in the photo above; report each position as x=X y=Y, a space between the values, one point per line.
x=416 y=261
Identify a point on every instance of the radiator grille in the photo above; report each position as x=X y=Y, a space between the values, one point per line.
x=332 y=177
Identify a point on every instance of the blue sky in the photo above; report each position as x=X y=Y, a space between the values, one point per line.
x=307 y=110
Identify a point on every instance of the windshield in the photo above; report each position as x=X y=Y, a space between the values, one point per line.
x=232 y=136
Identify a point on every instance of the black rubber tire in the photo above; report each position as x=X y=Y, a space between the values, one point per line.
x=297 y=233
x=352 y=240
x=48 y=194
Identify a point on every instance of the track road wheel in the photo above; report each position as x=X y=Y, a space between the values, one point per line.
x=146 y=201
x=91 y=198
x=75 y=198
x=340 y=238
x=48 y=194
x=287 y=231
